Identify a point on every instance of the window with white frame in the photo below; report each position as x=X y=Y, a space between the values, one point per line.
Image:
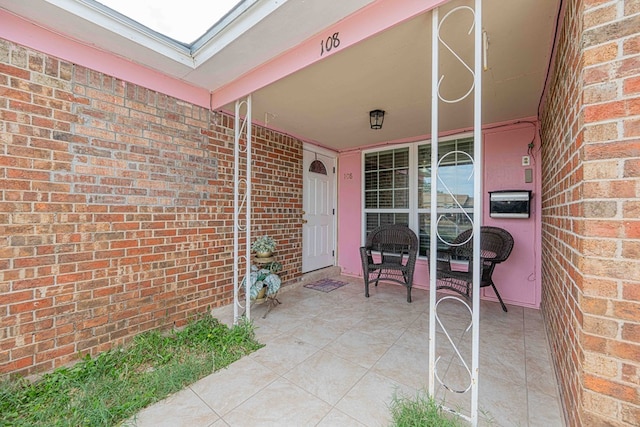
x=386 y=187
x=397 y=189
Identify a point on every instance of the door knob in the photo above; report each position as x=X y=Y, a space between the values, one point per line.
x=304 y=221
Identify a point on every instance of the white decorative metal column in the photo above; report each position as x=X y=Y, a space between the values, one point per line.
x=242 y=208
x=438 y=379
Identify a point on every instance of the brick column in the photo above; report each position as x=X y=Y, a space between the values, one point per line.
x=591 y=211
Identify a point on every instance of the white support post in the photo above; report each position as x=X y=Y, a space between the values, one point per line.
x=433 y=244
x=477 y=208
x=474 y=310
x=242 y=205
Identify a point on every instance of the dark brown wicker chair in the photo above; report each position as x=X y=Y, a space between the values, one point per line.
x=397 y=246
x=495 y=247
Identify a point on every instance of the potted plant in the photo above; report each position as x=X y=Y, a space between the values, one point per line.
x=263 y=246
x=264 y=281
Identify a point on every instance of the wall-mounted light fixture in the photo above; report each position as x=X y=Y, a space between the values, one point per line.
x=376 y=117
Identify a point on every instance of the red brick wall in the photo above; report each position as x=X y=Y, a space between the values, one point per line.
x=116 y=209
x=591 y=227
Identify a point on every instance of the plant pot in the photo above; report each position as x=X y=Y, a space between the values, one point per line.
x=262 y=293
x=263 y=254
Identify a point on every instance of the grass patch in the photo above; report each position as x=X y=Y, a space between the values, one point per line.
x=116 y=384
x=421 y=411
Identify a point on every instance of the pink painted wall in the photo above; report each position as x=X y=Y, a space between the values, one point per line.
x=518 y=279
x=349 y=208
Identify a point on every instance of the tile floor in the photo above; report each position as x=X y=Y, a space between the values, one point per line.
x=337 y=358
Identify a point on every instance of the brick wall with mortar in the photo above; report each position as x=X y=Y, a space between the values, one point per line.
x=116 y=209
x=591 y=226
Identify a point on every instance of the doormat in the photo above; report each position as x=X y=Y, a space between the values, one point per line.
x=325 y=285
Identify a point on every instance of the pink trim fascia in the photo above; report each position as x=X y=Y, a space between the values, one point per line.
x=25 y=33
x=370 y=20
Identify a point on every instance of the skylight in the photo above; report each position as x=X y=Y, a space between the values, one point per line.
x=182 y=20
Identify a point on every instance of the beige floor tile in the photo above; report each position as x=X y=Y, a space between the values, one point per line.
x=280 y=404
x=405 y=365
x=180 y=409
x=283 y=353
x=368 y=401
x=360 y=348
x=336 y=418
x=544 y=410
x=319 y=332
x=384 y=329
x=503 y=399
x=229 y=387
x=415 y=340
x=326 y=376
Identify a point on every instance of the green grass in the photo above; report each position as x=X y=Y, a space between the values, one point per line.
x=421 y=411
x=115 y=385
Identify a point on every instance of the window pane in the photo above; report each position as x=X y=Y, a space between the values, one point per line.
x=371 y=200
x=424 y=176
x=423 y=233
x=459 y=182
x=401 y=178
x=385 y=160
x=424 y=156
x=445 y=151
x=385 y=180
x=373 y=220
x=449 y=226
x=371 y=162
x=386 y=199
x=424 y=188
x=401 y=199
x=401 y=159
x=456 y=172
x=386 y=185
x=455 y=192
x=371 y=181
x=465 y=145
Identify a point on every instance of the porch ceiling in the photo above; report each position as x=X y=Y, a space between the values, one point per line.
x=328 y=102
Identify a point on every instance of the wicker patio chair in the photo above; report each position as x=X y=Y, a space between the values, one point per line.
x=495 y=247
x=389 y=255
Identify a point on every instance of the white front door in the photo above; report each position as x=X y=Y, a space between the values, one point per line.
x=318 y=240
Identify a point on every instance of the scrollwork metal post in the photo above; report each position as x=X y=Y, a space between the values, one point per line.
x=474 y=310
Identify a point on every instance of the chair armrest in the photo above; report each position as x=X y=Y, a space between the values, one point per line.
x=365 y=254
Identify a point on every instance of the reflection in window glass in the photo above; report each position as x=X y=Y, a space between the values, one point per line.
x=450 y=225
x=455 y=191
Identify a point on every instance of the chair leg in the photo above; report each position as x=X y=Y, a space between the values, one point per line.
x=378 y=278
x=366 y=285
x=504 y=307
x=408 y=293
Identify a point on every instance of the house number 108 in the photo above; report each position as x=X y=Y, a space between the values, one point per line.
x=332 y=42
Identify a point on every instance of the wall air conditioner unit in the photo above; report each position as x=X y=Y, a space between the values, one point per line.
x=510 y=204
